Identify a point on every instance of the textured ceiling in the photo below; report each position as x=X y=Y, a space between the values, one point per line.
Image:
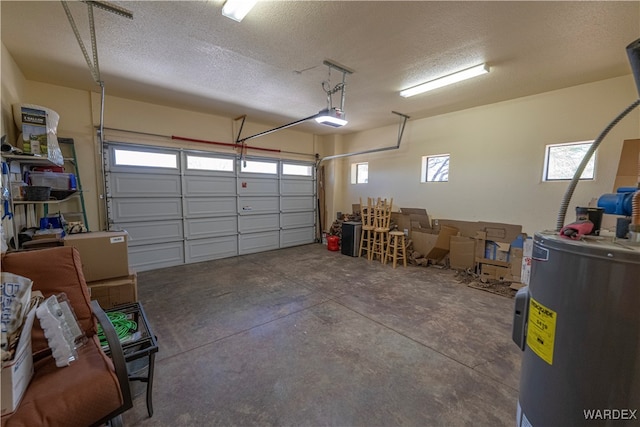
x=270 y=66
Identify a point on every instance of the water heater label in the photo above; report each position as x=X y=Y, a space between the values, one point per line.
x=541 y=330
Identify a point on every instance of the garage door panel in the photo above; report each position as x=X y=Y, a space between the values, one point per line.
x=257 y=186
x=297 y=219
x=206 y=205
x=210 y=207
x=212 y=248
x=197 y=185
x=254 y=223
x=145 y=209
x=258 y=242
x=149 y=257
x=198 y=228
x=143 y=185
x=258 y=205
x=144 y=233
x=297 y=236
x=298 y=203
x=296 y=187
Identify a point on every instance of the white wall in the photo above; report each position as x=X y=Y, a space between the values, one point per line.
x=497 y=155
x=13 y=83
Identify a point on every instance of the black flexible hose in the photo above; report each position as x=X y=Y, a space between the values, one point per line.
x=576 y=176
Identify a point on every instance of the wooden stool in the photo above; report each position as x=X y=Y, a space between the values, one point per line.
x=397 y=247
x=381 y=230
x=366 y=237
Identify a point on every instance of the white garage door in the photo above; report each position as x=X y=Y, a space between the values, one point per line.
x=183 y=206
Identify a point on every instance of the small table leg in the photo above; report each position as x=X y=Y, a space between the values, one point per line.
x=152 y=358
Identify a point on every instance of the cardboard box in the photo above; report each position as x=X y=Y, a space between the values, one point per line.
x=496 y=231
x=497 y=250
x=103 y=253
x=462 y=252
x=113 y=292
x=442 y=245
x=409 y=219
x=16 y=375
x=495 y=272
x=481 y=241
x=423 y=241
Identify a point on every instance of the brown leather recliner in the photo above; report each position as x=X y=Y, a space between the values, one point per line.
x=94 y=388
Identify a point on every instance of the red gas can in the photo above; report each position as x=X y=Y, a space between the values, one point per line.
x=333 y=243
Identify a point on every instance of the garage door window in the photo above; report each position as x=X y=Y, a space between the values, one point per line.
x=253 y=166
x=209 y=163
x=145 y=158
x=299 y=170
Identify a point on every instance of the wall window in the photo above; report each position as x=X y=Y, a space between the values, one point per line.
x=253 y=166
x=299 y=170
x=562 y=160
x=209 y=163
x=145 y=158
x=435 y=168
x=360 y=173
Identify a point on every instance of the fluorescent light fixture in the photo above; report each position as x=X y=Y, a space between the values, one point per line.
x=478 y=70
x=237 y=9
x=333 y=117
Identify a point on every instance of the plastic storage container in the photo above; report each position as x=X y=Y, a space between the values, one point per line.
x=55 y=180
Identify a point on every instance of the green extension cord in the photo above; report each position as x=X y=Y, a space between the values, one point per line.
x=123 y=326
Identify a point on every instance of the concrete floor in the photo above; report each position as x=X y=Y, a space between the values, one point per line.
x=308 y=337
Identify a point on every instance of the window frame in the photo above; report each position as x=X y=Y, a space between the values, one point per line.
x=424 y=174
x=227 y=160
x=547 y=162
x=355 y=172
x=253 y=172
x=146 y=154
x=308 y=167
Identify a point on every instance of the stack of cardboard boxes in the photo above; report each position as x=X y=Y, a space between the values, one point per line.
x=105 y=264
x=432 y=243
x=492 y=250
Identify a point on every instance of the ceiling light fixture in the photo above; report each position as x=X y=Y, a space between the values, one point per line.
x=331 y=117
x=237 y=9
x=468 y=73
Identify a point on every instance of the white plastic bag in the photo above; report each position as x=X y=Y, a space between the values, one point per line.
x=16 y=301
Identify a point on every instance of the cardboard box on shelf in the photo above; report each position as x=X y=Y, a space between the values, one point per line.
x=16 y=374
x=104 y=253
x=113 y=292
x=462 y=252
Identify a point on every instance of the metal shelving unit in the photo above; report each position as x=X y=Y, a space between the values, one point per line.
x=26 y=160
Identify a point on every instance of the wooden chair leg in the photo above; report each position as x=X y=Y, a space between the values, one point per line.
x=395 y=251
x=404 y=251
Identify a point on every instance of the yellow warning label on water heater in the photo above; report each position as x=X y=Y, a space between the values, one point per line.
x=541 y=331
